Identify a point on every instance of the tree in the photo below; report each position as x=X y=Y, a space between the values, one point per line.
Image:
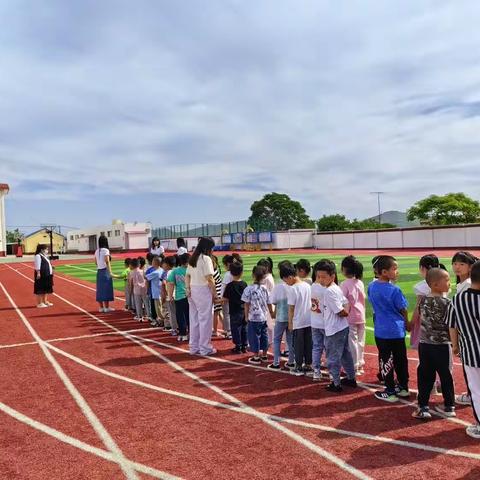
x=14 y=235
x=333 y=223
x=277 y=211
x=369 y=224
x=449 y=209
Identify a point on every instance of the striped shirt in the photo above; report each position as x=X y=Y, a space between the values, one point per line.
x=464 y=315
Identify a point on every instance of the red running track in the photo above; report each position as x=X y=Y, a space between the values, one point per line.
x=171 y=415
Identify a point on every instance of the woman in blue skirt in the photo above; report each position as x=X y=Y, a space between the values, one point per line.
x=104 y=276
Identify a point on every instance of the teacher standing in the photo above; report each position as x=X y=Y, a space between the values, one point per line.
x=104 y=275
x=156 y=248
x=201 y=292
x=43 y=276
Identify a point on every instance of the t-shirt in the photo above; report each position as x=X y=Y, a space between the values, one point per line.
x=125 y=274
x=333 y=303
x=465 y=285
x=177 y=277
x=316 y=316
x=38 y=263
x=354 y=292
x=433 y=326
x=139 y=282
x=257 y=296
x=269 y=282
x=299 y=296
x=421 y=289
x=181 y=251
x=155 y=279
x=307 y=280
x=387 y=301
x=157 y=250
x=100 y=255
x=197 y=274
x=233 y=292
x=280 y=300
x=227 y=278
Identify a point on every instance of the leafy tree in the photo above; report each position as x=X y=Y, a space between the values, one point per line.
x=277 y=211
x=333 y=223
x=449 y=209
x=369 y=224
x=14 y=235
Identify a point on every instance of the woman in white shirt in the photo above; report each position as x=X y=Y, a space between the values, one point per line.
x=104 y=276
x=181 y=246
x=201 y=292
x=156 y=248
x=43 y=276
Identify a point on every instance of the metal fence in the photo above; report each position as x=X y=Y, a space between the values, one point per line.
x=199 y=229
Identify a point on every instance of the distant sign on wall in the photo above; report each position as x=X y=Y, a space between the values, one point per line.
x=237 y=237
x=227 y=239
x=265 y=237
x=252 y=237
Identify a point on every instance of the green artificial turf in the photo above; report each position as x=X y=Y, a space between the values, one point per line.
x=408 y=268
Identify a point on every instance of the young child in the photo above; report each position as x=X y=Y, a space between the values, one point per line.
x=155 y=280
x=169 y=263
x=391 y=323
x=464 y=322
x=232 y=296
x=138 y=286
x=280 y=300
x=335 y=314
x=177 y=290
x=303 y=270
x=255 y=299
x=318 y=321
x=434 y=346
x=299 y=301
x=354 y=291
x=146 y=301
x=269 y=283
x=128 y=293
x=462 y=265
x=218 y=308
x=227 y=261
x=151 y=301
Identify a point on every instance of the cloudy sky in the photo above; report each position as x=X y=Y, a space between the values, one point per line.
x=176 y=112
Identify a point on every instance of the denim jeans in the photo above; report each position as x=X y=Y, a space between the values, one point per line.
x=318 y=346
x=257 y=336
x=279 y=329
x=182 y=313
x=338 y=355
x=302 y=344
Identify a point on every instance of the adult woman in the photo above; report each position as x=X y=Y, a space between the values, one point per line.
x=202 y=294
x=104 y=275
x=43 y=276
x=181 y=246
x=156 y=248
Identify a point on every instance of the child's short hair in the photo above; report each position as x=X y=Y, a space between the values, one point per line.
x=433 y=275
x=127 y=261
x=352 y=267
x=236 y=269
x=327 y=266
x=171 y=261
x=149 y=257
x=430 y=261
x=303 y=264
x=267 y=263
x=141 y=261
x=157 y=260
x=183 y=259
x=259 y=273
x=475 y=273
x=287 y=269
x=383 y=262
x=134 y=263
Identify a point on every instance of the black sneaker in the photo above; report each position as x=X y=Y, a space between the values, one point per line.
x=284 y=353
x=386 y=396
x=298 y=372
x=244 y=349
x=272 y=366
x=264 y=358
x=255 y=360
x=236 y=350
x=422 y=413
x=334 y=388
x=349 y=382
x=288 y=366
x=167 y=329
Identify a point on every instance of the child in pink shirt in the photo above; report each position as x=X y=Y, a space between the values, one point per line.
x=354 y=291
x=138 y=285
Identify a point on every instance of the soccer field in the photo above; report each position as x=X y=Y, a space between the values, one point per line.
x=408 y=267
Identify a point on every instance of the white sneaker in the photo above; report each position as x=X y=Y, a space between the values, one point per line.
x=108 y=310
x=42 y=305
x=446 y=411
x=101 y=310
x=463 y=399
x=139 y=319
x=317 y=375
x=360 y=372
x=473 y=431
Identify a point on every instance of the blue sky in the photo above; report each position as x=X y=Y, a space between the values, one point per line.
x=176 y=112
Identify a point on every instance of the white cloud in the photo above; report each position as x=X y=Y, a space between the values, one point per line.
x=326 y=101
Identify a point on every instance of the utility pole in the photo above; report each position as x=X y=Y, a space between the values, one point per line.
x=50 y=229
x=379 y=207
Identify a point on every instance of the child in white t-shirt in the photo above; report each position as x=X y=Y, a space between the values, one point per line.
x=318 y=323
x=335 y=312
x=299 y=307
x=303 y=270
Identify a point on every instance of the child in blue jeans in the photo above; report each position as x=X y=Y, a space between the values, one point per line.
x=255 y=299
x=280 y=300
x=318 y=322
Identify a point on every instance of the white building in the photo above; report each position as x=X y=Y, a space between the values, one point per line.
x=121 y=236
x=4 y=188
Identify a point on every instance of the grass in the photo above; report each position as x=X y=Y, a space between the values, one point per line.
x=408 y=267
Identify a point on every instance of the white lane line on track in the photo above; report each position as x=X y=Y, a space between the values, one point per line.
x=80 y=337
x=294 y=436
x=226 y=406
x=411 y=359
x=94 y=421
x=75 y=442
